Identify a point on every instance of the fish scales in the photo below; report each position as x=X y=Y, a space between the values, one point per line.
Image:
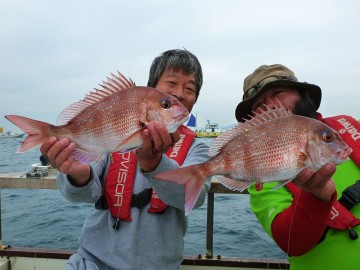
x=274 y=145
x=108 y=120
x=263 y=150
x=107 y=126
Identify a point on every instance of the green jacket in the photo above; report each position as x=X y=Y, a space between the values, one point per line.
x=337 y=250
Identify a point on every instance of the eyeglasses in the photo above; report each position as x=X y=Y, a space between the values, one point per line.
x=255 y=88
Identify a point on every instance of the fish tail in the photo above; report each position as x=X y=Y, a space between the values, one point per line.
x=191 y=177
x=37 y=131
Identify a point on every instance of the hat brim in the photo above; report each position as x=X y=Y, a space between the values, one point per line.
x=243 y=109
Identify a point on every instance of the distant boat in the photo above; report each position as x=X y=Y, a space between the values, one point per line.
x=9 y=134
x=211 y=130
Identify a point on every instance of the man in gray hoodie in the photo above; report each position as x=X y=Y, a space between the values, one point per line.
x=138 y=222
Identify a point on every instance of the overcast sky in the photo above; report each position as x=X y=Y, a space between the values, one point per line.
x=54 y=52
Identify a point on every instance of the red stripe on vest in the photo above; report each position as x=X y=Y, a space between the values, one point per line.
x=118 y=184
x=339 y=218
x=178 y=153
x=121 y=175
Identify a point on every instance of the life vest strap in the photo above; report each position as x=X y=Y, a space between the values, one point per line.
x=141 y=199
x=138 y=200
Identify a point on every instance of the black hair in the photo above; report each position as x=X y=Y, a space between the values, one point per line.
x=177 y=60
x=305 y=106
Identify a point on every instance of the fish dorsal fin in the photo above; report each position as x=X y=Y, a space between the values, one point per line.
x=113 y=85
x=259 y=118
x=222 y=139
x=269 y=114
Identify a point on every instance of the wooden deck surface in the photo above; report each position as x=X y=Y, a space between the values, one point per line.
x=19 y=180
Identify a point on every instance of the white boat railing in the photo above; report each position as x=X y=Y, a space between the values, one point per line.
x=17 y=180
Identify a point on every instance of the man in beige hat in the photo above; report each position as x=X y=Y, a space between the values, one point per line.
x=313 y=218
x=275 y=77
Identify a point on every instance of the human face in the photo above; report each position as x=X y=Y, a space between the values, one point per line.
x=288 y=97
x=180 y=85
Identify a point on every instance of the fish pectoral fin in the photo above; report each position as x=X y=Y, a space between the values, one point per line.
x=302 y=159
x=85 y=157
x=133 y=142
x=233 y=184
x=282 y=183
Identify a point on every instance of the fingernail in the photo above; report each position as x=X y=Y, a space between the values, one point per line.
x=329 y=167
x=72 y=145
x=64 y=141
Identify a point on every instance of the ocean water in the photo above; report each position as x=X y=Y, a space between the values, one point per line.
x=44 y=219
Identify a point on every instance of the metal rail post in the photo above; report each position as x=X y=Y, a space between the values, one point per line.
x=210 y=226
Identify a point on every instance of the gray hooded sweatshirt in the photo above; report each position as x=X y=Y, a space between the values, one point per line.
x=149 y=241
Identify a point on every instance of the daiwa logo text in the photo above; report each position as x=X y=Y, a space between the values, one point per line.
x=177 y=146
x=334 y=213
x=355 y=134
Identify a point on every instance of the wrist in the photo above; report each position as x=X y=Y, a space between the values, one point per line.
x=80 y=181
x=149 y=165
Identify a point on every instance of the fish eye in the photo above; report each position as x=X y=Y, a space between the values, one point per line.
x=327 y=136
x=165 y=103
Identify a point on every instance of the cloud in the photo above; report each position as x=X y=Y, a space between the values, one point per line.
x=54 y=52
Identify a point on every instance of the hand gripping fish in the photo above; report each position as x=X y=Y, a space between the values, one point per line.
x=108 y=120
x=274 y=145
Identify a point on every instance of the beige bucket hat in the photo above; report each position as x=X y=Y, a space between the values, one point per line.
x=267 y=76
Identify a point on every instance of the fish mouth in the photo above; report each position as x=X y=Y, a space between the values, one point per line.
x=183 y=118
x=344 y=154
x=179 y=121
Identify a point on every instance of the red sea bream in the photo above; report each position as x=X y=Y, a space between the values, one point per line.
x=274 y=145
x=108 y=120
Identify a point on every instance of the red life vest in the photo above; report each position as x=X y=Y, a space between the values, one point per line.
x=340 y=218
x=121 y=175
x=349 y=130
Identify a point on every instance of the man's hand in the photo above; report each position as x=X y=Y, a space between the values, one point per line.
x=58 y=153
x=320 y=183
x=156 y=140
